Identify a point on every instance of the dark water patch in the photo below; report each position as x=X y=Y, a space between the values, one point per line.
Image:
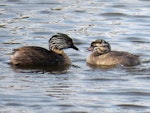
x=118 y=16
x=46 y=12
x=141 y=16
x=119 y=6
x=13 y=0
x=6 y=36
x=41 y=33
x=79 y=11
x=145 y=0
x=114 y=14
x=64 y=105
x=106 y=79
x=119 y=93
x=137 y=39
x=1 y=5
x=139 y=21
x=76 y=111
x=132 y=106
x=129 y=93
x=14 y=104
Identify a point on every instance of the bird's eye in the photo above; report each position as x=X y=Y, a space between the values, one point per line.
x=93 y=46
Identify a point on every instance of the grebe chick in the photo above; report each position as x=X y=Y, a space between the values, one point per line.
x=102 y=55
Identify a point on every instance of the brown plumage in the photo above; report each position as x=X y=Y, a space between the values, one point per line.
x=38 y=56
x=102 y=55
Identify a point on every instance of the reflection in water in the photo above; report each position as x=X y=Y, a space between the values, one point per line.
x=60 y=90
x=102 y=66
x=35 y=69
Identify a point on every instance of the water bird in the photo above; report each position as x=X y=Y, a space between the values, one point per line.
x=38 y=56
x=102 y=55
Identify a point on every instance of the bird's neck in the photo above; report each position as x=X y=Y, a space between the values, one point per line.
x=63 y=54
x=100 y=51
x=58 y=51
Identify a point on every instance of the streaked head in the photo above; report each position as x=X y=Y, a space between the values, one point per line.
x=61 y=41
x=100 y=46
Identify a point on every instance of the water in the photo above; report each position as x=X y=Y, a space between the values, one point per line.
x=82 y=89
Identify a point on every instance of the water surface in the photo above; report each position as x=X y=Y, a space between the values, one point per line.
x=80 y=89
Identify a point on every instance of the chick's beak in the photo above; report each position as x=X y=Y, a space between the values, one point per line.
x=90 y=49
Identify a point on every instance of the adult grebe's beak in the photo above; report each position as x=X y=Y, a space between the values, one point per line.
x=74 y=47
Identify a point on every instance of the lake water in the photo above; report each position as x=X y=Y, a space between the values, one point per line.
x=80 y=89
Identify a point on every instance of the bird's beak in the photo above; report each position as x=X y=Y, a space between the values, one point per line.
x=74 y=47
x=90 y=49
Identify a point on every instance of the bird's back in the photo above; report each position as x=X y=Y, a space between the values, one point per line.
x=37 y=56
x=113 y=58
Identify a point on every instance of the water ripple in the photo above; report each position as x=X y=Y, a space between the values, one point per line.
x=81 y=88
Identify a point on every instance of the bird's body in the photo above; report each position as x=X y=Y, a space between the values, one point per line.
x=114 y=58
x=38 y=56
x=32 y=55
x=102 y=55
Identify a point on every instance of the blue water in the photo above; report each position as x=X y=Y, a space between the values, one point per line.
x=80 y=89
